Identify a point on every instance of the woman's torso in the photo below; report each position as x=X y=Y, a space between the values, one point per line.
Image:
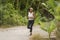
x=30 y=16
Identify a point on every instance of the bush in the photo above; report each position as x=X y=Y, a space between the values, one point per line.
x=58 y=13
x=10 y=16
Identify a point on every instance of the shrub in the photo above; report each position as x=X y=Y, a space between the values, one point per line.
x=35 y=37
x=10 y=16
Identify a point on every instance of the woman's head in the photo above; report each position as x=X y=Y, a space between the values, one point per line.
x=31 y=9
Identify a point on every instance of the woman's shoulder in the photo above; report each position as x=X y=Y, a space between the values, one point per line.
x=32 y=12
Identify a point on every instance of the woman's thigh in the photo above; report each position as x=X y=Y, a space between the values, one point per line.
x=32 y=22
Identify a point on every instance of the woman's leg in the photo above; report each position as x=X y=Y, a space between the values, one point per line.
x=29 y=23
x=32 y=22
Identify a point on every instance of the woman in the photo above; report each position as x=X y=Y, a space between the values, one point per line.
x=31 y=18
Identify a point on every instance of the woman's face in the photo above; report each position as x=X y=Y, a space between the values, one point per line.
x=31 y=9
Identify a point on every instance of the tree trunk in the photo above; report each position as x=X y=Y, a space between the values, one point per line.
x=16 y=4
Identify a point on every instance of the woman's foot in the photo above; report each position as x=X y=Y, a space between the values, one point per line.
x=30 y=33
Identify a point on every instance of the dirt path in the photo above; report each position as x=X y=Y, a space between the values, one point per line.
x=19 y=33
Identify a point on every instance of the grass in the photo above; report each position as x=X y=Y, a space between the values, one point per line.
x=35 y=37
x=38 y=37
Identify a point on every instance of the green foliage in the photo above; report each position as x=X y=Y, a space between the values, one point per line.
x=37 y=19
x=10 y=16
x=51 y=3
x=48 y=27
x=54 y=8
x=58 y=12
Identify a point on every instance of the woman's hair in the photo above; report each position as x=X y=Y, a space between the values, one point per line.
x=30 y=8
